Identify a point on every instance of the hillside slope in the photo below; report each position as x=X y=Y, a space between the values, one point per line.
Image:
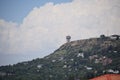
x=81 y=59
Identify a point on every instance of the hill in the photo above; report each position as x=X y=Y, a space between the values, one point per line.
x=81 y=59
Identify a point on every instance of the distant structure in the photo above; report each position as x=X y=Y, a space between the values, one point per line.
x=102 y=36
x=68 y=38
x=116 y=37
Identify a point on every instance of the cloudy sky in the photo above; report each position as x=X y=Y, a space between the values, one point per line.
x=35 y=28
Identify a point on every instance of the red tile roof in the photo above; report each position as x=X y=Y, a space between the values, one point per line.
x=108 y=77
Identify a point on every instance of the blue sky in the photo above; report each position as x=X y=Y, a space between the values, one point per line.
x=32 y=29
x=16 y=10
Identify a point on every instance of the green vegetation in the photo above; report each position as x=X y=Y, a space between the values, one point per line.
x=82 y=59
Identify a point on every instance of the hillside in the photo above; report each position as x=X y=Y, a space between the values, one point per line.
x=81 y=59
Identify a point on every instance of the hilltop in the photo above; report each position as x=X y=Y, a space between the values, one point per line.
x=81 y=59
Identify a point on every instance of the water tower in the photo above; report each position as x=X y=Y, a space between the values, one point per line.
x=68 y=38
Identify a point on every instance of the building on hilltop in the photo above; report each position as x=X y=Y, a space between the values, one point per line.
x=116 y=37
x=68 y=38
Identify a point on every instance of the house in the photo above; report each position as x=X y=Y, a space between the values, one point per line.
x=88 y=68
x=107 y=77
x=115 y=37
x=39 y=66
x=80 y=54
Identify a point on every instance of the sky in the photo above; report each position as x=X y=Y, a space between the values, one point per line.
x=32 y=29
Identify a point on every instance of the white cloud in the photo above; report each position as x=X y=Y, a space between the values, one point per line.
x=45 y=28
